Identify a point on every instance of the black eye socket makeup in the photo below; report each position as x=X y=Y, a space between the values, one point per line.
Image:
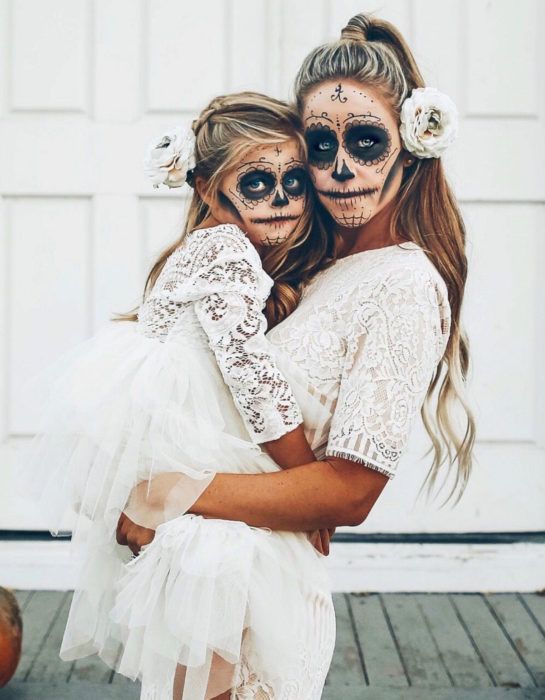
x=256 y=184
x=367 y=143
x=322 y=145
x=294 y=182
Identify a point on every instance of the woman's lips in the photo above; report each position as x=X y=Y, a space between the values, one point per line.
x=348 y=194
x=274 y=219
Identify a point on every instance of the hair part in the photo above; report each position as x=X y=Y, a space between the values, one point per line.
x=374 y=53
x=227 y=129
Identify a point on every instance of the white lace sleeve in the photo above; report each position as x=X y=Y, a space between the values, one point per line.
x=397 y=338
x=232 y=289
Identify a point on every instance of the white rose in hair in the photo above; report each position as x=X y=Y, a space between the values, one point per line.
x=170 y=157
x=429 y=123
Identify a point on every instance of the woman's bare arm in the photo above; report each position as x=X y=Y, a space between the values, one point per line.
x=311 y=496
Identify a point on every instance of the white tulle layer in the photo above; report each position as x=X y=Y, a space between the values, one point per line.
x=122 y=409
x=191 y=596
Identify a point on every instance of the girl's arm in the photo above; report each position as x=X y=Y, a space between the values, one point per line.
x=229 y=288
x=290 y=450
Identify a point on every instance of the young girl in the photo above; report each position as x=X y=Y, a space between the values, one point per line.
x=147 y=412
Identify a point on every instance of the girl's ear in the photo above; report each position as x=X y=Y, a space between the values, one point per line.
x=201 y=185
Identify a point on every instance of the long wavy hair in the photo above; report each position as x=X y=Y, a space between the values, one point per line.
x=225 y=131
x=373 y=52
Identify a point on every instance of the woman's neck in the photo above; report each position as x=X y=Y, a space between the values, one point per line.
x=374 y=234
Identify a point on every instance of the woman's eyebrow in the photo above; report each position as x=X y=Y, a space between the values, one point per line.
x=367 y=115
x=319 y=116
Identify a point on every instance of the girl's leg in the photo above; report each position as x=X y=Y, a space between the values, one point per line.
x=220 y=666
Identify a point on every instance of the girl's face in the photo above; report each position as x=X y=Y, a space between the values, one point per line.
x=354 y=150
x=267 y=190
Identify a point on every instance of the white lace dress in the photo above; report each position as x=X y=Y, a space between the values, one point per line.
x=358 y=353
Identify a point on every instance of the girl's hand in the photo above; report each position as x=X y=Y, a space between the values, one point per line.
x=132 y=535
x=320 y=539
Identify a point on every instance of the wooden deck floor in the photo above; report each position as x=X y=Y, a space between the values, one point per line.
x=389 y=647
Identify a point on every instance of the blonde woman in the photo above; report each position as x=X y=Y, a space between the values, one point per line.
x=148 y=410
x=376 y=337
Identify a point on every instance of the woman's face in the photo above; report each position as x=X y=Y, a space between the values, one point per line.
x=267 y=191
x=354 y=150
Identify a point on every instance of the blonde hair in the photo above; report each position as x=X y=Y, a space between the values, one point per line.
x=373 y=52
x=225 y=131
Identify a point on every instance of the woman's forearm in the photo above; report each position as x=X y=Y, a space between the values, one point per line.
x=315 y=495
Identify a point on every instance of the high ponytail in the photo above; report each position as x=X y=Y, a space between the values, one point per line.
x=374 y=53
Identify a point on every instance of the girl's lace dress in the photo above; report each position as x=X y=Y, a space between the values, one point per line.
x=189 y=390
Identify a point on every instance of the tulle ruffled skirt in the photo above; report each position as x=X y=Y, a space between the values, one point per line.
x=123 y=410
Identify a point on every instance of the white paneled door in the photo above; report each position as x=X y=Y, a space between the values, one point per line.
x=86 y=84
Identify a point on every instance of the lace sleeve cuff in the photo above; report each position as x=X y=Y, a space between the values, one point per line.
x=360 y=459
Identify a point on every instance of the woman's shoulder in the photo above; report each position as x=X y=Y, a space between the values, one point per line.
x=395 y=272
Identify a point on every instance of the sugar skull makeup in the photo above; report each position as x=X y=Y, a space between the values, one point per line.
x=354 y=150
x=268 y=191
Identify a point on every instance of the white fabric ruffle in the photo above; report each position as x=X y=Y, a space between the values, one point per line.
x=125 y=409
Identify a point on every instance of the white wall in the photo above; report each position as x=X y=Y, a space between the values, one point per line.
x=86 y=84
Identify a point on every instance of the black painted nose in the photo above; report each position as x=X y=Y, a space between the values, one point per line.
x=280 y=199
x=344 y=174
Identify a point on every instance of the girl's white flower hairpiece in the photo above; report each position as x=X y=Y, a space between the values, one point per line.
x=429 y=123
x=171 y=158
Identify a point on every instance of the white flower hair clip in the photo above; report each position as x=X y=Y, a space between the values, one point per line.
x=429 y=123
x=171 y=158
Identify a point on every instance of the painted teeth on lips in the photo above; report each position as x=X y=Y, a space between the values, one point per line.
x=274 y=219
x=348 y=194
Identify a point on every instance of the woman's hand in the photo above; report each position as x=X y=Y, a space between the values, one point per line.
x=320 y=539
x=132 y=535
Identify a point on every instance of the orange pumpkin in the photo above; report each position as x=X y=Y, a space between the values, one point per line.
x=11 y=632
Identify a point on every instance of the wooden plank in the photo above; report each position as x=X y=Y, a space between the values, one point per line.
x=381 y=657
x=435 y=694
x=69 y=691
x=494 y=648
x=525 y=636
x=48 y=666
x=120 y=679
x=421 y=659
x=535 y=605
x=463 y=664
x=346 y=668
x=22 y=598
x=38 y=617
x=91 y=669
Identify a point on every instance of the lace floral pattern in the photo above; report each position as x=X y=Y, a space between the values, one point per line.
x=368 y=334
x=305 y=680
x=212 y=291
